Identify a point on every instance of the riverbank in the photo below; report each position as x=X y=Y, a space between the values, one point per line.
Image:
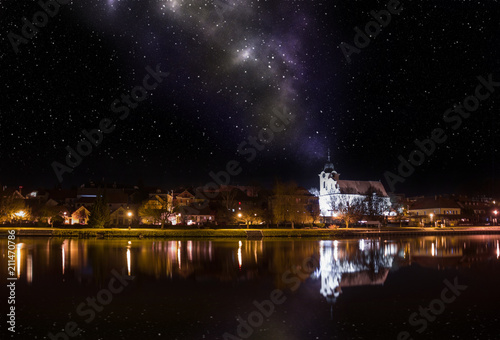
x=247 y=233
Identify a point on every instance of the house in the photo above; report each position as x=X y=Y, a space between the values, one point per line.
x=12 y=193
x=478 y=210
x=184 y=198
x=13 y=205
x=291 y=204
x=80 y=216
x=121 y=217
x=434 y=210
x=157 y=208
x=198 y=215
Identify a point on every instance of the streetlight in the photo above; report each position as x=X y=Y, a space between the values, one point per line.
x=431 y=216
x=129 y=214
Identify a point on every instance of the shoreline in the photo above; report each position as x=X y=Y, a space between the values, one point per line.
x=248 y=233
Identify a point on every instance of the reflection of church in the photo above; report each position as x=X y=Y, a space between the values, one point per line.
x=332 y=189
x=369 y=265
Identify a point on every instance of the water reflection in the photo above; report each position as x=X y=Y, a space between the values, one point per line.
x=18 y=257
x=128 y=261
x=191 y=283
x=338 y=264
x=342 y=264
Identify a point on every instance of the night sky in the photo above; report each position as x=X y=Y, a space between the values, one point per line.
x=232 y=67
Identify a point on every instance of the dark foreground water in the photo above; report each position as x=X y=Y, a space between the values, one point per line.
x=419 y=288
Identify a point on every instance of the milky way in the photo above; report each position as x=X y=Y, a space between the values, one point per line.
x=231 y=65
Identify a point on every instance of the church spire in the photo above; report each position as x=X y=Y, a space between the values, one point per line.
x=328 y=166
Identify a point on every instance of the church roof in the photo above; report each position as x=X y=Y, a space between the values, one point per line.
x=360 y=187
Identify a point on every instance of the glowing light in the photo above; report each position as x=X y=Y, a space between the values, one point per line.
x=498 y=251
x=64 y=245
x=20 y=213
x=129 y=214
x=179 y=253
x=190 y=250
x=29 y=269
x=18 y=256
x=362 y=245
x=239 y=215
x=433 y=250
x=239 y=254
x=128 y=261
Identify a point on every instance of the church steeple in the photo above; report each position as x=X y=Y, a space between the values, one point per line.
x=328 y=166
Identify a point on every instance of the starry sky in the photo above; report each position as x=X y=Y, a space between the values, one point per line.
x=232 y=65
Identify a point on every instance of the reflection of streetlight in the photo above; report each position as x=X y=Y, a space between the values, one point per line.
x=495 y=212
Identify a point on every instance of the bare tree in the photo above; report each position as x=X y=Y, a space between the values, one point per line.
x=313 y=211
x=349 y=208
x=228 y=198
x=375 y=204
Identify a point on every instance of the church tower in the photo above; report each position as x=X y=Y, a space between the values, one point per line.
x=327 y=186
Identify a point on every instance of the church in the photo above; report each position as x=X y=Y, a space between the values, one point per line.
x=333 y=190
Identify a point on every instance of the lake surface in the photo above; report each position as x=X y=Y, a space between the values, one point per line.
x=428 y=287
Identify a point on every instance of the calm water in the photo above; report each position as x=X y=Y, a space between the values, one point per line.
x=230 y=289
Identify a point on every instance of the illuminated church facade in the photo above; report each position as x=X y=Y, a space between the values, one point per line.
x=333 y=191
